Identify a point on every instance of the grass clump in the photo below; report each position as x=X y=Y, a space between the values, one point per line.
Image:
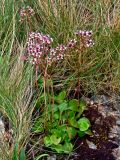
x=15 y=103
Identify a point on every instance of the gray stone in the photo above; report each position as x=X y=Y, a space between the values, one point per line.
x=118 y=122
x=116 y=153
x=2 y=129
x=91 y=145
x=101 y=99
x=2 y=132
x=54 y=157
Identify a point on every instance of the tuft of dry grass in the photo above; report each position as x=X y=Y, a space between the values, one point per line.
x=16 y=101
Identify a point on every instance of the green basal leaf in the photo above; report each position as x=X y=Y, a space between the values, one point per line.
x=63 y=107
x=55 y=140
x=52 y=125
x=59 y=132
x=56 y=131
x=60 y=98
x=71 y=132
x=66 y=137
x=56 y=115
x=63 y=128
x=59 y=148
x=68 y=147
x=64 y=134
x=71 y=114
x=73 y=105
x=47 y=141
x=83 y=124
x=53 y=107
x=81 y=133
x=62 y=95
x=64 y=117
x=73 y=122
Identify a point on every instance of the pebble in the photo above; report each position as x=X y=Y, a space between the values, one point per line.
x=118 y=122
x=54 y=157
x=2 y=129
x=100 y=99
x=91 y=145
x=116 y=153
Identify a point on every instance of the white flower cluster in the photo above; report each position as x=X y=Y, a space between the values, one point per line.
x=86 y=37
x=56 y=54
x=39 y=47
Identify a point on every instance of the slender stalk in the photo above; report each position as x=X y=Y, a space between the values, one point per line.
x=45 y=84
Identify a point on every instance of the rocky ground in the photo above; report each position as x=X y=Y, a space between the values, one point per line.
x=109 y=106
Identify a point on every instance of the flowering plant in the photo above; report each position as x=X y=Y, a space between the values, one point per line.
x=41 y=54
x=39 y=47
x=40 y=51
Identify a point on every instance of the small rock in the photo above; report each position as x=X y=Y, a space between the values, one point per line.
x=118 y=122
x=116 y=153
x=98 y=121
x=91 y=145
x=112 y=135
x=117 y=113
x=54 y=157
x=101 y=99
x=2 y=129
x=114 y=130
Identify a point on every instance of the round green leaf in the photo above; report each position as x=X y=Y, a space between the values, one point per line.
x=47 y=141
x=83 y=124
x=68 y=147
x=55 y=140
